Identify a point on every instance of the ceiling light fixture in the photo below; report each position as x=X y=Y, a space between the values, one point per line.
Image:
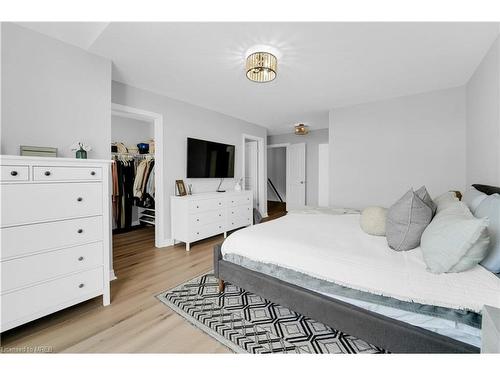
x=301 y=129
x=261 y=67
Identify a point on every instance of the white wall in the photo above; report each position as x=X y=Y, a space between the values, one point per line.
x=53 y=94
x=130 y=131
x=312 y=140
x=483 y=121
x=324 y=175
x=379 y=150
x=183 y=120
x=276 y=171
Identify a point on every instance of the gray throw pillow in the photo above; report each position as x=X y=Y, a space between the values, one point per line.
x=490 y=208
x=425 y=196
x=455 y=241
x=406 y=221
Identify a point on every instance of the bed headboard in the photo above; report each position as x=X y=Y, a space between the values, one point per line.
x=486 y=189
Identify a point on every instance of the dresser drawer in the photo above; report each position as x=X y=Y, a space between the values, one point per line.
x=10 y=173
x=27 y=239
x=239 y=211
x=240 y=200
x=206 y=205
x=27 y=203
x=203 y=218
x=39 y=300
x=21 y=272
x=208 y=230
x=237 y=221
x=66 y=173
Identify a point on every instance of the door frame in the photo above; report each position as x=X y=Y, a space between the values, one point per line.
x=262 y=169
x=286 y=146
x=157 y=120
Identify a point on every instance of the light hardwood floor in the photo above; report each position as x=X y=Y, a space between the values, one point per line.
x=135 y=321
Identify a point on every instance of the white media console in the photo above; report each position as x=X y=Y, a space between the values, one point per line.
x=199 y=216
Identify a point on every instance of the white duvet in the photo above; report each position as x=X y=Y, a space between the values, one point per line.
x=334 y=248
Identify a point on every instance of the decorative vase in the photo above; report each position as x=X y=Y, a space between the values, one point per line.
x=81 y=154
x=237 y=187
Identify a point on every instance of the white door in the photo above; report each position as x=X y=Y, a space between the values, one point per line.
x=296 y=176
x=252 y=170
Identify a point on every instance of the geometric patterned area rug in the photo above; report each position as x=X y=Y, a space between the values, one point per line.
x=248 y=323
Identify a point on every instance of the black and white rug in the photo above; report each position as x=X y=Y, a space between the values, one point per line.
x=247 y=323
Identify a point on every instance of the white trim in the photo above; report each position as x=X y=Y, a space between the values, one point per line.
x=262 y=169
x=277 y=145
x=157 y=119
x=112 y=275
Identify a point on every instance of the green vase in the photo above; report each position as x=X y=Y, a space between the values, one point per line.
x=81 y=154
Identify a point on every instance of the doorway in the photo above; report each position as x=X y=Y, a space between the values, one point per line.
x=145 y=209
x=286 y=176
x=254 y=170
x=276 y=180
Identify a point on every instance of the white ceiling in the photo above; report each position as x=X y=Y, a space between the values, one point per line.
x=322 y=65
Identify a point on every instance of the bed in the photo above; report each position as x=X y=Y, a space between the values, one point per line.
x=321 y=264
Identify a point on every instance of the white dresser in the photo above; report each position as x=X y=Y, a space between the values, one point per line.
x=198 y=216
x=55 y=235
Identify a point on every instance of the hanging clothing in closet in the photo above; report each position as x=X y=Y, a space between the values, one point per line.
x=133 y=184
x=143 y=178
x=123 y=174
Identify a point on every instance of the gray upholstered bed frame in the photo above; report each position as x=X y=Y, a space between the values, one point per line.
x=379 y=330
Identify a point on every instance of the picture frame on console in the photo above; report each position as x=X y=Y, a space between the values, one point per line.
x=180 y=187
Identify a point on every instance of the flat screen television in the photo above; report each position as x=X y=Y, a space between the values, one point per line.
x=207 y=159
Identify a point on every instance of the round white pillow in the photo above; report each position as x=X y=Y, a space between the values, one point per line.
x=373 y=220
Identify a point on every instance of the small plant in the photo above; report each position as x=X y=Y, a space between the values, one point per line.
x=81 y=150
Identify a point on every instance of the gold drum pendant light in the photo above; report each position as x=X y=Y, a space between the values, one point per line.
x=261 y=67
x=301 y=129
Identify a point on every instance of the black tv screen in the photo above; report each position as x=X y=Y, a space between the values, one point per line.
x=209 y=159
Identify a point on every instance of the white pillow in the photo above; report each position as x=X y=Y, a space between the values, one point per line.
x=473 y=198
x=455 y=240
x=445 y=200
x=490 y=208
x=373 y=220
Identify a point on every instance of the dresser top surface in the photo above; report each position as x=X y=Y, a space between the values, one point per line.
x=211 y=194
x=18 y=160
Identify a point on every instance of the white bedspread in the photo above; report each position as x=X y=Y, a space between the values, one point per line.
x=334 y=248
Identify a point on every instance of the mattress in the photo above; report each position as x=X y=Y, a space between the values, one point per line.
x=334 y=249
x=460 y=325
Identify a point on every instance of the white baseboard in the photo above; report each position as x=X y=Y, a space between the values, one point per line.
x=165 y=243
x=112 y=275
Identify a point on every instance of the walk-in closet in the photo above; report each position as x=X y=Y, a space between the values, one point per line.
x=133 y=176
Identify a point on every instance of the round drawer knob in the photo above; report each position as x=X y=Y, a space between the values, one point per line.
x=79 y=199
x=47 y=173
x=197 y=232
x=92 y=173
x=80 y=259
x=197 y=219
x=81 y=285
x=80 y=231
x=13 y=173
x=220 y=214
x=197 y=206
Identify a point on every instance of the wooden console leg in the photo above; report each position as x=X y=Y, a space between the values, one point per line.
x=221 y=285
